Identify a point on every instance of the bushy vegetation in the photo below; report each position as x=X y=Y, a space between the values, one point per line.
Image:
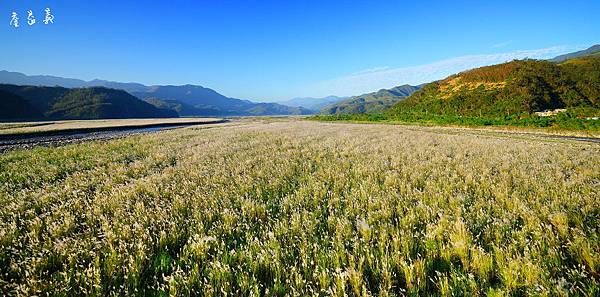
x=302 y=208
x=514 y=88
x=571 y=120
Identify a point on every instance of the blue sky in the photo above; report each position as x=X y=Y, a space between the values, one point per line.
x=275 y=50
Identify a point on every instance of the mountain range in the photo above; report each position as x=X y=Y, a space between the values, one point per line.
x=311 y=103
x=186 y=100
x=375 y=102
x=200 y=101
x=16 y=78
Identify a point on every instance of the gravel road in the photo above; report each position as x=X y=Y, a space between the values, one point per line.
x=58 y=138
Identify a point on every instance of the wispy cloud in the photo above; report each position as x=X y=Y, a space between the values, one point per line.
x=384 y=77
x=372 y=70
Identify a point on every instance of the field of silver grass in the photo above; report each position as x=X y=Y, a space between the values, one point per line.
x=302 y=208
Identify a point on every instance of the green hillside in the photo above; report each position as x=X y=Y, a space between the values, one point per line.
x=505 y=94
x=13 y=107
x=81 y=103
x=370 y=103
x=515 y=88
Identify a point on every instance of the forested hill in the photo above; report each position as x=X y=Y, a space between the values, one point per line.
x=14 y=107
x=518 y=87
x=57 y=103
x=374 y=102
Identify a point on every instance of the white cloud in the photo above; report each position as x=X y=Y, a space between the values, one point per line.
x=371 y=70
x=384 y=77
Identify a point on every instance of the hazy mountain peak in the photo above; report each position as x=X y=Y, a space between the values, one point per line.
x=313 y=103
x=595 y=49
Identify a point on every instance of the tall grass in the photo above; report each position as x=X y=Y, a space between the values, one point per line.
x=302 y=208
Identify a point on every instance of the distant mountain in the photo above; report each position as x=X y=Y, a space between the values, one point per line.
x=313 y=103
x=371 y=102
x=594 y=50
x=192 y=95
x=516 y=88
x=16 y=78
x=128 y=87
x=248 y=109
x=197 y=100
x=181 y=108
x=258 y=109
x=58 y=103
